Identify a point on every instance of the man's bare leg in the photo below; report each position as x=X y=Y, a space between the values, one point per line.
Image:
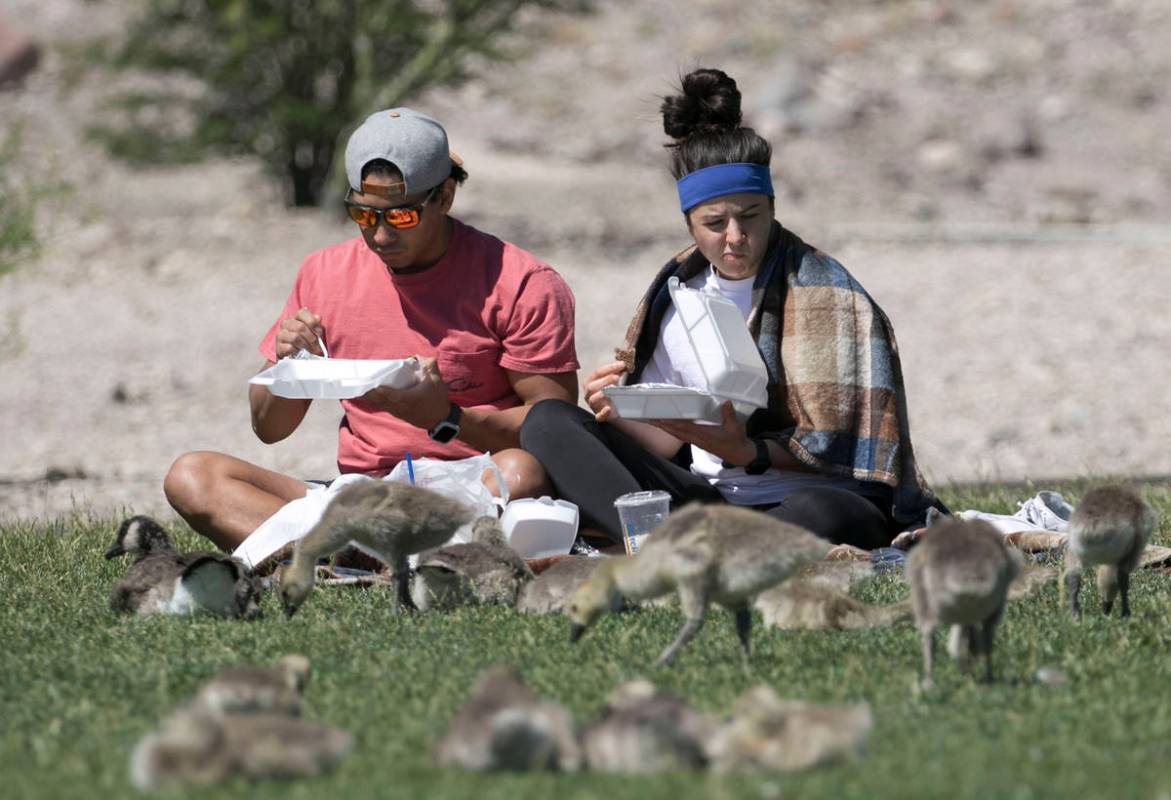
x=225 y=498
x=522 y=472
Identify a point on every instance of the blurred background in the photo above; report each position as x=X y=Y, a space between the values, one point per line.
x=997 y=174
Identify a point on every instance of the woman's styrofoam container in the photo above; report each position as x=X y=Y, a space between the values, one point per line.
x=722 y=344
x=336 y=378
x=663 y=401
x=726 y=354
x=540 y=527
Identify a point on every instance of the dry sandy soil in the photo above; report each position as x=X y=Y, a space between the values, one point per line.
x=997 y=174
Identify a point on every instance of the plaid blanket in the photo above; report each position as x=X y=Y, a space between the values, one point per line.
x=835 y=391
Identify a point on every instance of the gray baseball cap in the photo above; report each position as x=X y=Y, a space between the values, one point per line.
x=413 y=142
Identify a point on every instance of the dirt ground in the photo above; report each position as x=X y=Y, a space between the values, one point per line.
x=996 y=174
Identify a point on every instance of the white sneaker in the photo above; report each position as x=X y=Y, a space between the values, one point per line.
x=1047 y=510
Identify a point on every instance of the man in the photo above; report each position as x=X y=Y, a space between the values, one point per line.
x=491 y=325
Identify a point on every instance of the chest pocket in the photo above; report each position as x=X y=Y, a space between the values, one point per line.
x=473 y=378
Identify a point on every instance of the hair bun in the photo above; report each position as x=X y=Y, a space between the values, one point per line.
x=710 y=103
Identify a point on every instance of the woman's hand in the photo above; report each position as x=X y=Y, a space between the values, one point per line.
x=727 y=440
x=299 y=332
x=605 y=375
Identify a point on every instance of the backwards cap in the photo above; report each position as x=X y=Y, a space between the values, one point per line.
x=413 y=142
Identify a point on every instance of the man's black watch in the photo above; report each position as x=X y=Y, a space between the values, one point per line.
x=762 y=461
x=446 y=429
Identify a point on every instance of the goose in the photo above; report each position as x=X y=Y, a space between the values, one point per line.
x=800 y=604
x=718 y=553
x=197 y=746
x=161 y=580
x=483 y=570
x=1109 y=529
x=249 y=690
x=960 y=576
x=550 y=591
x=767 y=732
x=645 y=730
x=505 y=726
x=393 y=519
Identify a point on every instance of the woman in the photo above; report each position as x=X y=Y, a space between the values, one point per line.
x=832 y=449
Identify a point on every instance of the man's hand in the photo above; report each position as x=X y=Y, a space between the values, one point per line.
x=422 y=405
x=603 y=376
x=726 y=440
x=299 y=332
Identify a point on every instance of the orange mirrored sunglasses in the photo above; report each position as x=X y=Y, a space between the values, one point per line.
x=400 y=218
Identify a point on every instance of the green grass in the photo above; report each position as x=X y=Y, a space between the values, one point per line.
x=79 y=685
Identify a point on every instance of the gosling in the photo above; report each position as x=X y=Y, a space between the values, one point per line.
x=161 y=580
x=1109 y=528
x=550 y=591
x=960 y=576
x=484 y=570
x=647 y=730
x=394 y=519
x=721 y=554
x=195 y=746
x=802 y=604
x=254 y=690
x=505 y=726
x=766 y=732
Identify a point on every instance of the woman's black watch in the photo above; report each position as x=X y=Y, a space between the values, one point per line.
x=446 y=429
x=760 y=463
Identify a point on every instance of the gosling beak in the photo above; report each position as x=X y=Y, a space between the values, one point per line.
x=114 y=550
x=290 y=610
x=575 y=631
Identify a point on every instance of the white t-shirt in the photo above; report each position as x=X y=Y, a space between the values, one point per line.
x=674 y=362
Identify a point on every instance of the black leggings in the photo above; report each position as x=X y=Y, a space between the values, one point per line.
x=591 y=463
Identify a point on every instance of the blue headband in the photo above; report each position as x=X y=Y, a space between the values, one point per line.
x=709 y=182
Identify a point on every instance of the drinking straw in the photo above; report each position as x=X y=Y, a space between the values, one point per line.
x=410 y=468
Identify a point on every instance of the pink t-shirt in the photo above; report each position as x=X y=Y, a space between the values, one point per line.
x=486 y=306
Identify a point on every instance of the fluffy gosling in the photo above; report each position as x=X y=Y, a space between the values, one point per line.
x=505 y=726
x=161 y=580
x=799 y=604
x=1109 y=528
x=251 y=690
x=960 y=576
x=196 y=746
x=550 y=591
x=720 y=554
x=766 y=732
x=393 y=519
x=647 y=730
x=484 y=570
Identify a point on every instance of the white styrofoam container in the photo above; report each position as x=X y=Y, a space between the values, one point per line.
x=721 y=341
x=335 y=378
x=726 y=354
x=540 y=527
x=663 y=401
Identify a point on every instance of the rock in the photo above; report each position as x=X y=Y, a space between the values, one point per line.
x=999 y=137
x=970 y=64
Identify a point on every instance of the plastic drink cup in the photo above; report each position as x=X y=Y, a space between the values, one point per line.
x=640 y=513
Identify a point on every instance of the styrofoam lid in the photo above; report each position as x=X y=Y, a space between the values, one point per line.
x=723 y=346
x=335 y=378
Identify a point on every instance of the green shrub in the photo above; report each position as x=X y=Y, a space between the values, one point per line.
x=285 y=79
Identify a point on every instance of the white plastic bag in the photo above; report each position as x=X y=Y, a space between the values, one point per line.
x=291 y=521
x=460 y=480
